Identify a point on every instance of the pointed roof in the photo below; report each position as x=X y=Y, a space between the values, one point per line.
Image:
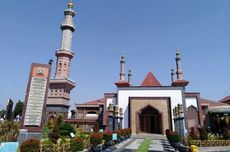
x=225 y=100
x=150 y=81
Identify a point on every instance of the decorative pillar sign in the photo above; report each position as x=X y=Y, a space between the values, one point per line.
x=36 y=96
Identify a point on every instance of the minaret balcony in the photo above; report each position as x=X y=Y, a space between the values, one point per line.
x=68 y=53
x=68 y=26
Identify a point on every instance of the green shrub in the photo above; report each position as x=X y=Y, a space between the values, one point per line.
x=203 y=133
x=46 y=142
x=45 y=131
x=107 y=136
x=212 y=136
x=123 y=132
x=173 y=136
x=54 y=135
x=193 y=134
x=96 y=139
x=65 y=129
x=59 y=119
x=96 y=128
x=30 y=145
x=76 y=144
x=9 y=131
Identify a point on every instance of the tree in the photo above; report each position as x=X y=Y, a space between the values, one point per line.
x=2 y=113
x=18 y=108
x=59 y=119
x=54 y=134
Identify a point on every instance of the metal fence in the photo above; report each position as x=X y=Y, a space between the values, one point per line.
x=210 y=143
x=55 y=148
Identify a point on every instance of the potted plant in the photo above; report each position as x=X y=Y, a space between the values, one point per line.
x=123 y=133
x=77 y=144
x=107 y=136
x=96 y=141
x=128 y=132
x=174 y=138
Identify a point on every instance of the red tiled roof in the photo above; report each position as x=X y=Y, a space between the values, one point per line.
x=225 y=99
x=150 y=81
x=211 y=103
x=94 y=102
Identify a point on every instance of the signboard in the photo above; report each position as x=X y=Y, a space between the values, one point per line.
x=35 y=101
x=114 y=136
x=36 y=96
x=9 y=146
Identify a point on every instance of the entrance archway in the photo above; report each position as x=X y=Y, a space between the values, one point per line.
x=150 y=120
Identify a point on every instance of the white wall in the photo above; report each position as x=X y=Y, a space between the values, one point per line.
x=124 y=94
x=111 y=100
x=191 y=101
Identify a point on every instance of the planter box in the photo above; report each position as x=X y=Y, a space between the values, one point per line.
x=108 y=143
x=97 y=148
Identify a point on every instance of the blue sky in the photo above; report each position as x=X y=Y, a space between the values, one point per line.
x=146 y=31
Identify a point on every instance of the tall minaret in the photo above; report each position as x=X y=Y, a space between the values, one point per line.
x=61 y=85
x=179 y=72
x=122 y=68
x=122 y=79
x=65 y=53
x=179 y=81
x=172 y=74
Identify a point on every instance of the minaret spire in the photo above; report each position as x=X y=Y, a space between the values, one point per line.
x=122 y=68
x=172 y=74
x=130 y=76
x=179 y=72
x=122 y=80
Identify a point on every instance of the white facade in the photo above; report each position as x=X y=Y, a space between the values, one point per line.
x=191 y=101
x=174 y=93
x=111 y=101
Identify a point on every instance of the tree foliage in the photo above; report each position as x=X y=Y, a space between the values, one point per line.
x=18 y=108
x=54 y=134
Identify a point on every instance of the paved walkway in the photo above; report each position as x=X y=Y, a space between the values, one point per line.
x=158 y=143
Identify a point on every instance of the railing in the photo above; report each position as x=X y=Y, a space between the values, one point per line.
x=55 y=148
x=209 y=143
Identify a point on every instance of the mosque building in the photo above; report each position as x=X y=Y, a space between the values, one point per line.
x=145 y=108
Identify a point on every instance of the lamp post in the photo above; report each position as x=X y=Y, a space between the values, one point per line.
x=178 y=114
x=116 y=117
x=121 y=117
x=110 y=111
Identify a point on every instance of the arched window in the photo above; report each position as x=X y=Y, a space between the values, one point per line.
x=91 y=114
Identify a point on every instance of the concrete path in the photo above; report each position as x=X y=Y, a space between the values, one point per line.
x=158 y=143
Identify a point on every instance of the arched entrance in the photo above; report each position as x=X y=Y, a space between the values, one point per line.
x=150 y=120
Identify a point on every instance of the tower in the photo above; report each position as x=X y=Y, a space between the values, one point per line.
x=61 y=85
x=122 y=78
x=179 y=82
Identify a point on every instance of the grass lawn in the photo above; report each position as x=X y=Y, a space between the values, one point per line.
x=144 y=145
